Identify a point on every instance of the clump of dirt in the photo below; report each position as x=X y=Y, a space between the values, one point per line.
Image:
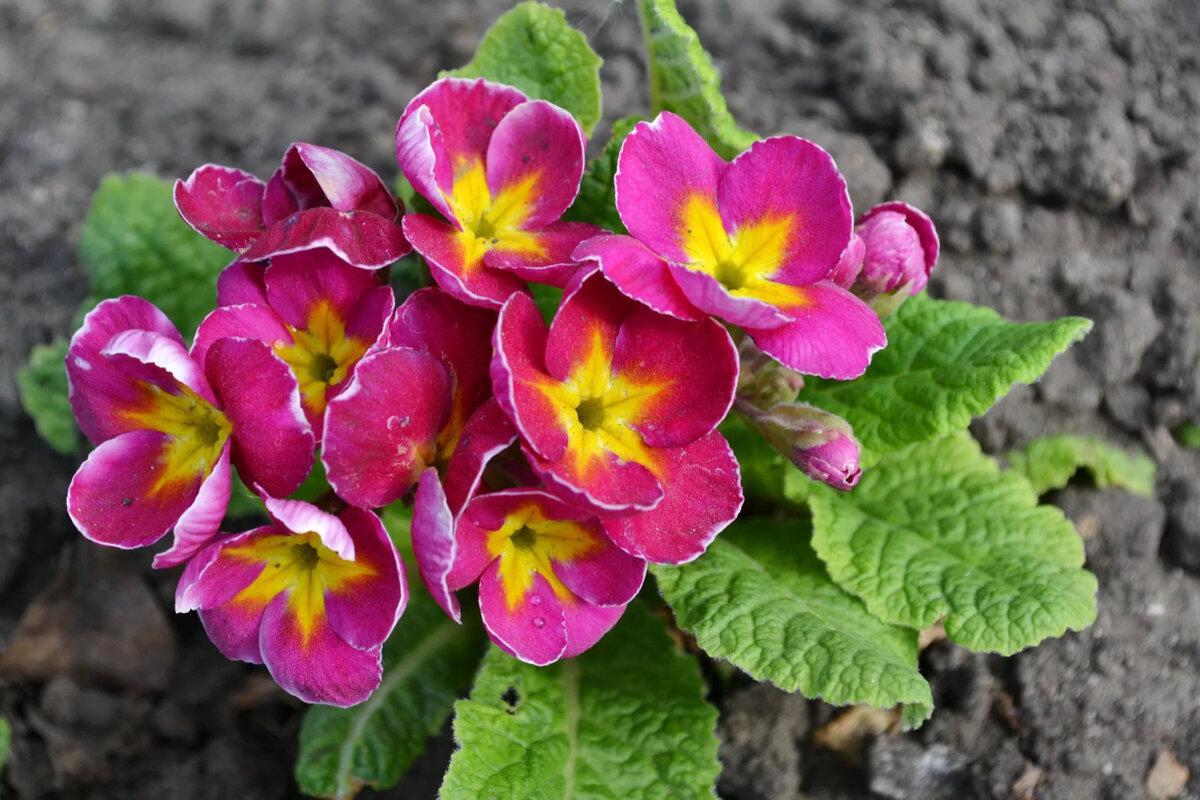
x=1055 y=143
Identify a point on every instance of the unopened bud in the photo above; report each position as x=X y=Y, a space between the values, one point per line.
x=763 y=381
x=850 y=263
x=900 y=251
x=820 y=444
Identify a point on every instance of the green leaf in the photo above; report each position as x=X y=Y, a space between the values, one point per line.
x=133 y=242
x=597 y=200
x=427 y=663
x=5 y=741
x=625 y=721
x=945 y=363
x=761 y=599
x=1050 y=462
x=42 y=385
x=684 y=80
x=535 y=49
x=1188 y=435
x=546 y=298
x=938 y=530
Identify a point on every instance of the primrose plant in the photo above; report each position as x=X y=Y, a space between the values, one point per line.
x=676 y=388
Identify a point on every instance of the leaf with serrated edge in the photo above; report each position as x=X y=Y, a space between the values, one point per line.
x=535 y=49
x=133 y=242
x=683 y=79
x=626 y=720
x=427 y=661
x=1050 y=463
x=42 y=385
x=945 y=363
x=760 y=599
x=939 y=530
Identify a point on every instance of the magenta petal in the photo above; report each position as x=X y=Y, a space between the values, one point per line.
x=366 y=240
x=919 y=221
x=421 y=153
x=663 y=163
x=555 y=265
x=370 y=315
x=474 y=283
x=161 y=354
x=336 y=179
x=786 y=177
x=470 y=553
x=433 y=541
x=240 y=283
x=364 y=611
x=591 y=311
x=695 y=363
x=639 y=273
x=278 y=200
x=199 y=523
x=534 y=631
x=110 y=498
x=381 y=432
x=320 y=668
x=537 y=138
x=120 y=314
x=587 y=623
x=297 y=283
x=487 y=433
x=705 y=293
x=607 y=577
x=849 y=263
x=299 y=516
x=833 y=335
x=703 y=495
x=222 y=203
x=235 y=629
x=246 y=321
x=272 y=439
x=612 y=486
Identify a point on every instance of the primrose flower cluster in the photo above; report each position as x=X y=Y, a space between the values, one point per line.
x=546 y=464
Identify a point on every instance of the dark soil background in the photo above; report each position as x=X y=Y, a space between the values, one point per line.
x=1055 y=144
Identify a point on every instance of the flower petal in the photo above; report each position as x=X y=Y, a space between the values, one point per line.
x=703 y=488
x=589 y=316
x=298 y=284
x=442 y=247
x=381 y=432
x=199 y=523
x=537 y=151
x=552 y=263
x=639 y=273
x=113 y=498
x=487 y=433
x=694 y=367
x=223 y=204
x=832 y=334
x=319 y=176
x=421 y=152
x=245 y=321
x=609 y=485
x=242 y=282
x=921 y=223
x=279 y=202
x=366 y=240
x=272 y=439
x=433 y=542
x=139 y=350
x=299 y=516
x=606 y=577
x=795 y=186
x=534 y=629
x=705 y=293
x=586 y=624
x=662 y=165
x=316 y=665
x=232 y=626
x=365 y=608
x=370 y=315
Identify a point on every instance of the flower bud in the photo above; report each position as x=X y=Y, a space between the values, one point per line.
x=850 y=263
x=820 y=444
x=900 y=250
x=763 y=381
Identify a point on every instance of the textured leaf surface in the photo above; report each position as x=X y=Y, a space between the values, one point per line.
x=534 y=48
x=760 y=599
x=597 y=200
x=626 y=720
x=133 y=242
x=683 y=79
x=1050 y=463
x=945 y=363
x=428 y=661
x=938 y=530
x=42 y=384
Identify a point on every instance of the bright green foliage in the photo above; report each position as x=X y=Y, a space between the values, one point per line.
x=546 y=298
x=761 y=599
x=684 y=80
x=427 y=662
x=533 y=48
x=939 y=530
x=134 y=242
x=597 y=200
x=5 y=741
x=945 y=363
x=624 y=721
x=42 y=384
x=1050 y=462
x=1188 y=435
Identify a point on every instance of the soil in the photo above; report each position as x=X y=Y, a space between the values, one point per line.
x=1055 y=144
